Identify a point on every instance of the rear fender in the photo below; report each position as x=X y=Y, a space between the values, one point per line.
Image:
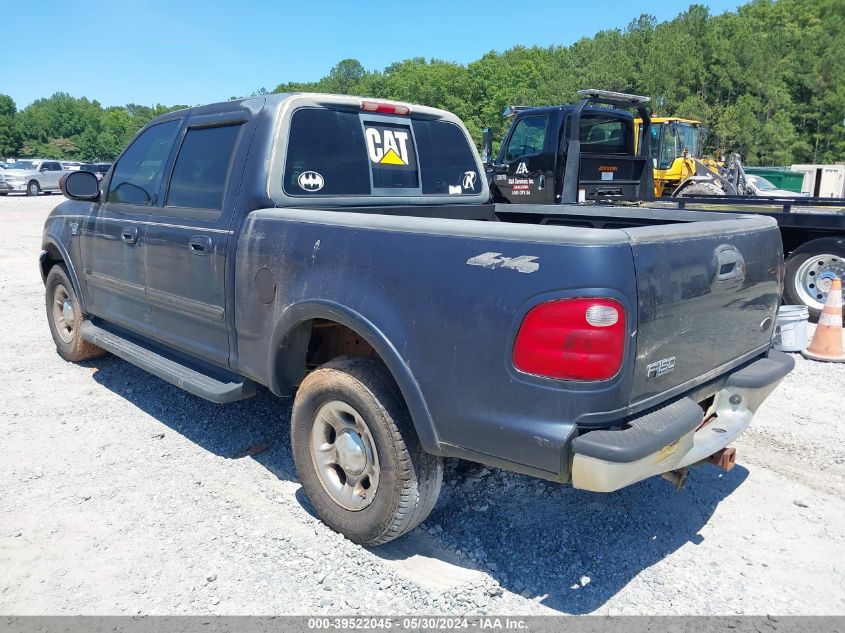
x=287 y=366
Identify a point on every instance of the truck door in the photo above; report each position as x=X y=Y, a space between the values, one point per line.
x=530 y=167
x=188 y=236
x=52 y=172
x=112 y=240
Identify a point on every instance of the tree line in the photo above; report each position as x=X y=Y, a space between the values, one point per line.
x=768 y=81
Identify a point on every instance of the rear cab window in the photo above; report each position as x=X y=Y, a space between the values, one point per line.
x=604 y=134
x=336 y=152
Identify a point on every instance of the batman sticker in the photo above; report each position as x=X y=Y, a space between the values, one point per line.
x=310 y=181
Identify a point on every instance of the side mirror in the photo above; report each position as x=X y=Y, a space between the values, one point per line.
x=80 y=185
x=43 y=169
x=488 y=145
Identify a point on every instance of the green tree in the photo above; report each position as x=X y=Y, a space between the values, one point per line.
x=9 y=137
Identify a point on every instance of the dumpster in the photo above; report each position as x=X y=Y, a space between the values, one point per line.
x=780 y=177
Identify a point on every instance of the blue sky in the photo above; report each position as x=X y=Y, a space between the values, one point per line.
x=195 y=51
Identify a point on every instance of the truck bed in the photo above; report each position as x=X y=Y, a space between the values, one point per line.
x=685 y=305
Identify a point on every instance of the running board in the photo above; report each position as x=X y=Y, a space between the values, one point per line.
x=190 y=380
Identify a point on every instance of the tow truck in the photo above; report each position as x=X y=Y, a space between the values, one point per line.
x=596 y=152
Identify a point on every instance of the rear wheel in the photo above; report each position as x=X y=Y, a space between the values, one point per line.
x=810 y=270
x=357 y=454
x=33 y=188
x=65 y=318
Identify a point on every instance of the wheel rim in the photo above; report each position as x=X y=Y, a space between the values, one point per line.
x=33 y=188
x=814 y=277
x=63 y=317
x=344 y=456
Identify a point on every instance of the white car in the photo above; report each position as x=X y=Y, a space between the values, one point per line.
x=762 y=187
x=31 y=177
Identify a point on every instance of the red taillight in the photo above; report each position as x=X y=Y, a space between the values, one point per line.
x=572 y=339
x=380 y=107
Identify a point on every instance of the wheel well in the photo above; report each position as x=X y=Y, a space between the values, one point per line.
x=330 y=340
x=311 y=344
x=53 y=257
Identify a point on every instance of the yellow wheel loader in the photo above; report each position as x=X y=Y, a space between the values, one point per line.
x=680 y=169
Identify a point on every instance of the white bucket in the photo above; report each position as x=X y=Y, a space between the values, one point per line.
x=791 y=330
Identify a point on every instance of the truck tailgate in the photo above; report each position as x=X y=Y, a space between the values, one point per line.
x=707 y=299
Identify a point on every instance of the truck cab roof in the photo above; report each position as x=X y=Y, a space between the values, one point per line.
x=338 y=150
x=530 y=111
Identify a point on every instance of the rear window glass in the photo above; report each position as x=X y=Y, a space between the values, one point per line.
x=326 y=154
x=343 y=153
x=604 y=135
x=393 y=159
x=199 y=175
x=447 y=162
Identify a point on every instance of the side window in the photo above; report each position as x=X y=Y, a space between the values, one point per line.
x=137 y=175
x=528 y=137
x=326 y=154
x=202 y=166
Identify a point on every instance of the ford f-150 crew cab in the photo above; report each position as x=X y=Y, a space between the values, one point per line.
x=344 y=251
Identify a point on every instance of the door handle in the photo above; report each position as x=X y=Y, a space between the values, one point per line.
x=129 y=234
x=199 y=245
x=541 y=183
x=730 y=264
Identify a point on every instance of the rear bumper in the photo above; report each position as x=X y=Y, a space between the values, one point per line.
x=672 y=436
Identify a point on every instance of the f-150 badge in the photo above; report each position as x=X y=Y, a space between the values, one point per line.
x=660 y=368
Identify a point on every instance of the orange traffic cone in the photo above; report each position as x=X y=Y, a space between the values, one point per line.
x=827 y=341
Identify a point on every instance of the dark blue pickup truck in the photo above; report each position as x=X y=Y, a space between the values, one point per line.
x=344 y=251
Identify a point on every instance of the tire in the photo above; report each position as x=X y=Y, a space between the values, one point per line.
x=33 y=188
x=4 y=193
x=67 y=336
x=399 y=484
x=808 y=263
x=700 y=189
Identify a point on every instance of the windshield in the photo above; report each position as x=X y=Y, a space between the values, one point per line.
x=669 y=140
x=761 y=183
x=23 y=164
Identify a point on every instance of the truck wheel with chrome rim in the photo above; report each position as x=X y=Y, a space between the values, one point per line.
x=357 y=454
x=33 y=188
x=810 y=270
x=65 y=317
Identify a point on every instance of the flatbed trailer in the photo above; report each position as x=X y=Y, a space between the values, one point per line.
x=812 y=231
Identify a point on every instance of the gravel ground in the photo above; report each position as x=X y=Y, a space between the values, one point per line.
x=120 y=494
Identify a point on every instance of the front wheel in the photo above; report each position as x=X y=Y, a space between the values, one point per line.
x=33 y=188
x=65 y=318
x=700 y=189
x=810 y=270
x=357 y=454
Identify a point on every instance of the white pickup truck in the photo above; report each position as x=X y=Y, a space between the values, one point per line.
x=31 y=177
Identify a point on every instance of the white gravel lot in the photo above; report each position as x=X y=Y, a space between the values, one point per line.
x=120 y=494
